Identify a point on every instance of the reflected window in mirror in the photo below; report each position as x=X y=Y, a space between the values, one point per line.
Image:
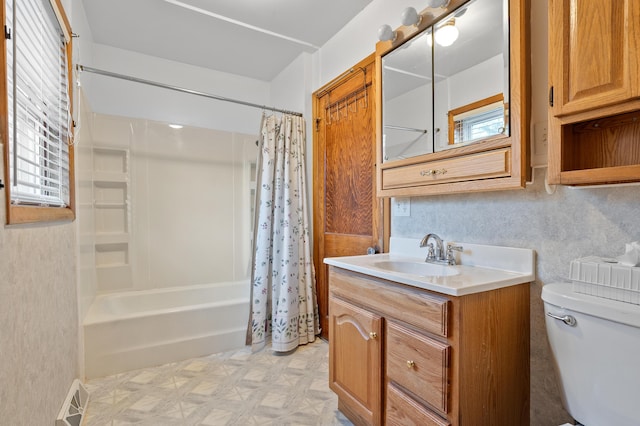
x=407 y=96
x=478 y=121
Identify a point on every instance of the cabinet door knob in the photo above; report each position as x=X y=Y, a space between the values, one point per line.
x=373 y=334
x=411 y=364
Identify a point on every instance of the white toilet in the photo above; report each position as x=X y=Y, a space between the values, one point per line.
x=596 y=347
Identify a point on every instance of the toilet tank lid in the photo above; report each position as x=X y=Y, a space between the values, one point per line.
x=562 y=295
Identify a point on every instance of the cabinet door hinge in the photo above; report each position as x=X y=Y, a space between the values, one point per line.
x=7 y=33
x=551 y=96
x=317 y=124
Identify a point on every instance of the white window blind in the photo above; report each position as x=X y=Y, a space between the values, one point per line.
x=479 y=123
x=38 y=101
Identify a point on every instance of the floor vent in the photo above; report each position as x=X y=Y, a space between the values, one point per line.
x=72 y=411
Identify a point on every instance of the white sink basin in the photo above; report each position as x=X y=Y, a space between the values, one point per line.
x=421 y=269
x=478 y=267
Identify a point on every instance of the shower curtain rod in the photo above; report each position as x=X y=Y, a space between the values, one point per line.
x=182 y=89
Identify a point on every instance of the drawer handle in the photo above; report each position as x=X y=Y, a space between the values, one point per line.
x=433 y=172
x=411 y=364
x=373 y=335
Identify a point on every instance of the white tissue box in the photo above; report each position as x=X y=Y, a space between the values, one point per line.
x=594 y=276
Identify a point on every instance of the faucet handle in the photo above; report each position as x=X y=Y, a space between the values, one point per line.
x=430 y=252
x=450 y=248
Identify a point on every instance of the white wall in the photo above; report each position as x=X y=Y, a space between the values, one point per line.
x=358 y=38
x=119 y=97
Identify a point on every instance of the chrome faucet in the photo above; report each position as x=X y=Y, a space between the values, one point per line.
x=432 y=254
x=436 y=254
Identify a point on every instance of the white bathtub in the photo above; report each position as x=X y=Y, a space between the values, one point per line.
x=137 y=329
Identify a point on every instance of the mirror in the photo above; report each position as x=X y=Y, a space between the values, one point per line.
x=407 y=99
x=450 y=82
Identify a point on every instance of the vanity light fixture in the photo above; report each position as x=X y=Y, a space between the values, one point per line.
x=176 y=126
x=438 y=3
x=447 y=34
x=410 y=16
x=385 y=33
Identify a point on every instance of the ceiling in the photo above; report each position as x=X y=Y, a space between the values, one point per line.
x=233 y=36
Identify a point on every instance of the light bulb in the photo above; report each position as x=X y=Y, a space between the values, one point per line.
x=447 y=34
x=437 y=3
x=410 y=17
x=175 y=126
x=385 y=33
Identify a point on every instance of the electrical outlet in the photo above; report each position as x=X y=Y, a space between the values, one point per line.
x=401 y=206
x=539 y=151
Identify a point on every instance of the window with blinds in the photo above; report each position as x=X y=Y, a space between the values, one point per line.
x=38 y=105
x=479 y=125
x=478 y=120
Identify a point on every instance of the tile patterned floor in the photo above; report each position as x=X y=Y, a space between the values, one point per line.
x=231 y=388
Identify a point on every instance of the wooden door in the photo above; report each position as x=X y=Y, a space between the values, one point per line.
x=593 y=53
x=355 y=361
x=347 y=216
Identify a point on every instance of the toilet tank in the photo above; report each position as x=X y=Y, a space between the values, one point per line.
x=597 y=358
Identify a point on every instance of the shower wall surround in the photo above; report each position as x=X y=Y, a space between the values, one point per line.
x=171 y=206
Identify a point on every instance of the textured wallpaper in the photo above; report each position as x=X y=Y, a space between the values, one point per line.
x=38 y=320
x=568 y=224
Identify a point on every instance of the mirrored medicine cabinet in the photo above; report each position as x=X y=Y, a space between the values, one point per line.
x=453 y=92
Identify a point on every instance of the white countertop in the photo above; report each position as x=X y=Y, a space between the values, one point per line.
x=480 y=268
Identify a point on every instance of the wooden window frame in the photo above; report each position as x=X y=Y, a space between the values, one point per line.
x=470 y=107
x=21 y=214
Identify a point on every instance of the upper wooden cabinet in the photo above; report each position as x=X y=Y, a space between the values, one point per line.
x=594 y=91
x=454 y=118
x=593 y=54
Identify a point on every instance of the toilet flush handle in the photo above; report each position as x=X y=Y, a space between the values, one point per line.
x=567 y=319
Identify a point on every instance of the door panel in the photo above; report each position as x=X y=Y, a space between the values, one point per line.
x=347 y=215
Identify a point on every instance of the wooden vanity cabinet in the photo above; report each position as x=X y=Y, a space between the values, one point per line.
x=400 y=355
x=594 y=92
x=356 y=374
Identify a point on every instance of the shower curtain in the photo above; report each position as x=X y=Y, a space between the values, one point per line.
x=284 y=303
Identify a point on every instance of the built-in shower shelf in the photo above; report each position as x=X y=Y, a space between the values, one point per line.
x=103 y=205
x=110 y=177
x=112 y=238
x=112 y=216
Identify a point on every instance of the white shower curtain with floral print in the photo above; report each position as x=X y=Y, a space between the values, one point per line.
x=283 y=303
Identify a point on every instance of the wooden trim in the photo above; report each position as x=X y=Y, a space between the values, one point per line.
x=470 y=107
x=4 y=117
x=33 y=214
x=62 y=18
x=19 y=214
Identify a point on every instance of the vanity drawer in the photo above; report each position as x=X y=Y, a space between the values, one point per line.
x=485 y=165
x=419 y=364
x=402 y=410
x=426 y=311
